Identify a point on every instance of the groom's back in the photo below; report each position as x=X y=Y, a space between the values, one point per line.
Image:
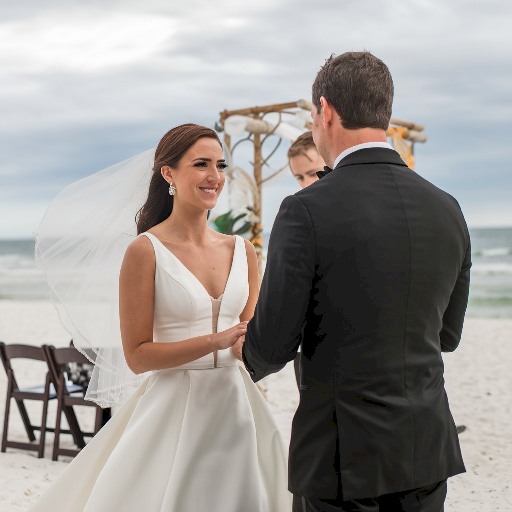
x=389 y=249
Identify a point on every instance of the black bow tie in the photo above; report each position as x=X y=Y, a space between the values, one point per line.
x=323 y=173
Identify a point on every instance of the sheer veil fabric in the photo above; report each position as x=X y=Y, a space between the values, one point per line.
x=80 y=246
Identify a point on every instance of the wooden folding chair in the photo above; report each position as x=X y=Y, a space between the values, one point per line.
x=43 y=393
x=69 y=395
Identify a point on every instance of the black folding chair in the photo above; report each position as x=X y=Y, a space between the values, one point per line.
x=43 y=393
x=68 y=396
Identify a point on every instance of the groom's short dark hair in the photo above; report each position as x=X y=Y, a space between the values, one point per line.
x=359 y=87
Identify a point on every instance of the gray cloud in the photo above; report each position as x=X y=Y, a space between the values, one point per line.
x=93 y=85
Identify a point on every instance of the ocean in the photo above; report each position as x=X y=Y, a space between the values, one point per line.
x=491 y=276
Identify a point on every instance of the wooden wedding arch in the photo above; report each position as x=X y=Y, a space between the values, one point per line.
x=265 y=128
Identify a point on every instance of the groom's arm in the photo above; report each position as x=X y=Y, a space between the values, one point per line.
x=274 y=334
x=453 y=318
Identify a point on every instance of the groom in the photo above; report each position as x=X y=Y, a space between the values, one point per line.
x=369 y=269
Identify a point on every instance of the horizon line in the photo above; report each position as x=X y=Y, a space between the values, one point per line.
x=24 y=239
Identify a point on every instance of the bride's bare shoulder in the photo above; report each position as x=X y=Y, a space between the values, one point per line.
x=140 y=249
x=249 y=247
x=138 y=268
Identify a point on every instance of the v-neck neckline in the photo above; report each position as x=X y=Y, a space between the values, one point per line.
x=192 y=273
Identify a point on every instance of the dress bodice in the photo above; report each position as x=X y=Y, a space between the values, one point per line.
x=183 y=308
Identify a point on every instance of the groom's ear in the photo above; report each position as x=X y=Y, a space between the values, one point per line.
x=327 y=112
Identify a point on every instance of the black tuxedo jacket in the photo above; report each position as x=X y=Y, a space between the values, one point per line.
x=369 y=269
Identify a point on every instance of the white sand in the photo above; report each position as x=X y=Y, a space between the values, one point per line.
x=478 y=380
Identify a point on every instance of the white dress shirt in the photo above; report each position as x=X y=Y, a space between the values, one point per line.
x=357 y=147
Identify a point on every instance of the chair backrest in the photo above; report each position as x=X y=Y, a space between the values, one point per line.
x=66 y=355
x=19 y=351
x=59 y=360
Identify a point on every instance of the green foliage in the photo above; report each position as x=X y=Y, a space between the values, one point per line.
x=226 y=223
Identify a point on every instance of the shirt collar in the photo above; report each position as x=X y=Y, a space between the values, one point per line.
x=357 y=147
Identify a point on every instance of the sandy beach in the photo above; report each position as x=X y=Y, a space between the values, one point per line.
x=478 y=381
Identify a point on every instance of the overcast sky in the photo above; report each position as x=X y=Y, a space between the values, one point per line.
x=85 y=84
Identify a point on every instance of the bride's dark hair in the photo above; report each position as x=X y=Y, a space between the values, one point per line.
x=173 y=145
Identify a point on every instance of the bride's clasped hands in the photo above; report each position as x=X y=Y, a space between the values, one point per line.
x=230 y=338
x=238 y=345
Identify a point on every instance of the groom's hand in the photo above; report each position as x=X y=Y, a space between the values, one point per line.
x=237 y=347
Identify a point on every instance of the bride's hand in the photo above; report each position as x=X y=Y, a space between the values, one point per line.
x=237 y=347
x=228 y=338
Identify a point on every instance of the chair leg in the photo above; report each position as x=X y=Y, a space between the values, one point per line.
x=99 y=420
x=44 y=417
x=12 y=385
x=26 y=420
x=56 y=440
x=6 y=417
x=106 y=414
x=42 y=436
x=74 y=426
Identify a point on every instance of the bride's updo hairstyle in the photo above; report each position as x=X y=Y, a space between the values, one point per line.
x=174 y=144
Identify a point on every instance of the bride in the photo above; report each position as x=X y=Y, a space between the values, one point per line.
x=197 y=433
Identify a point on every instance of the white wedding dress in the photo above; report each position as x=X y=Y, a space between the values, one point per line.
x=195 y=438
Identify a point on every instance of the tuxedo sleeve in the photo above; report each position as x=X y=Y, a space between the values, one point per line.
x=274 y=333
x=453 y=318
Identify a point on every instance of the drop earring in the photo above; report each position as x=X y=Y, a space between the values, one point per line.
x=172 y=189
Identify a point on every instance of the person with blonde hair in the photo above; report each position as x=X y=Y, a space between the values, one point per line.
x=304 y=160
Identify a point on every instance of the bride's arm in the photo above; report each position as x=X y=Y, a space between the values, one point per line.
x=136 y=308
x=254 y=282
x=254 y=290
